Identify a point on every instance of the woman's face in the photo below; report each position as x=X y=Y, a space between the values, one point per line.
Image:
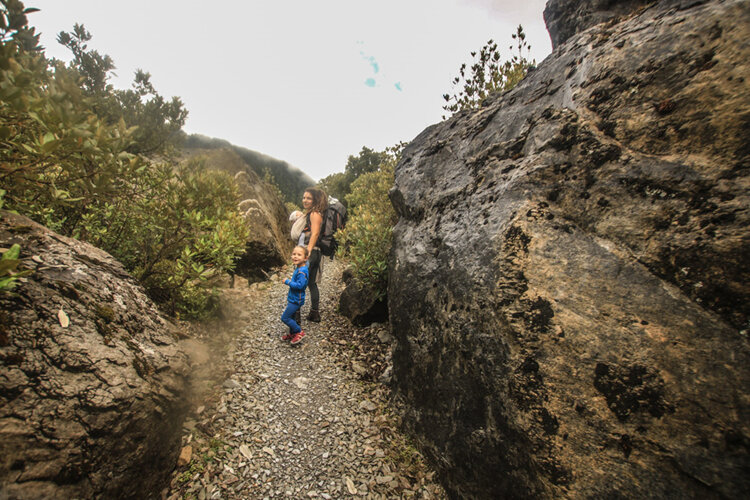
x=307 y=200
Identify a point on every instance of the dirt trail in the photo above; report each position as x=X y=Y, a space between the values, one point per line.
x=274 y=420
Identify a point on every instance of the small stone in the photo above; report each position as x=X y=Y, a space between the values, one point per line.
x=368 y=405
x=384 y=337
x=301 y=382
x=186 y=454
x=350 y=486
x=358 y=368
x=230 y=384
x=246 y=452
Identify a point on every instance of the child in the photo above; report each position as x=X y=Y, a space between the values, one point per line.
x=298 y=223
x=296 y=296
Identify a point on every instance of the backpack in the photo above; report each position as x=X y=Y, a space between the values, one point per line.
x=333 y=220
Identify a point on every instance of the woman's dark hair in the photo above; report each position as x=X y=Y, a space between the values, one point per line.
x=320 y=199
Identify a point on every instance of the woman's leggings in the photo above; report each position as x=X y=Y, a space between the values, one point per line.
x=313 y=263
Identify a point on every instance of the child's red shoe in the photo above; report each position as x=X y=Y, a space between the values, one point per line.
x=287 y=336
x=298 y=337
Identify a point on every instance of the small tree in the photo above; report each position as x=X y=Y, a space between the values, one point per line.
x=368 y=233
x=157 y=121
x=14 y=25
x=93 y=67
x=336 y=185
x=339 y=185
x=487 y=74
x=66 y=162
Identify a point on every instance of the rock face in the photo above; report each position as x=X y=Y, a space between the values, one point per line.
x=93 y=409
x=360 y=303
x=269 y=244
x=570 y=280
x=565 y=18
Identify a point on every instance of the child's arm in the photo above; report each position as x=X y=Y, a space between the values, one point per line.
x=300 y=280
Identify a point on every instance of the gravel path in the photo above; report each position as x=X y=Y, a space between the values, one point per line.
x=297 y=421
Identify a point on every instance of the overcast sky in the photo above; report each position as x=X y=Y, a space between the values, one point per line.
x=307 y=82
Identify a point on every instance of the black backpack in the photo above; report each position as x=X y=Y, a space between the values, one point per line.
x=333 y=220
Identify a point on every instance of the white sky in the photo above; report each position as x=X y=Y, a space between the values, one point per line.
x=296 y=79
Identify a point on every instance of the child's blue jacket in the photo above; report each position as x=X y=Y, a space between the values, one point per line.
x=297 y=286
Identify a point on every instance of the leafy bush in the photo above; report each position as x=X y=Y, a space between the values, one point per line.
x=68 y=161
x=179 y=233
x=157 y=121
x=339 y=185
x=57 y=157
x=9 y=273
x=367 y=238
x=488 y=74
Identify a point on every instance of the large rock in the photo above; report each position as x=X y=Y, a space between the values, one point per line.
x=361 y=303
x=269 y=244
x=570 y=280
x=93 y=409
x=565 y=18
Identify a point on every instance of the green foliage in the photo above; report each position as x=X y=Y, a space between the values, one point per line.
x=57 y=157
x=488 y=75
x=9 y=274
x=93 y=67
x=339 y=185
x=68 y=159
x=156 y=119
x=368 y=234
x=366 y=161
x=291 y=207
x=14 y=25
x=177 y=234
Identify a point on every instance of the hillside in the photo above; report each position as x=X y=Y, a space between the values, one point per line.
x=290 y=180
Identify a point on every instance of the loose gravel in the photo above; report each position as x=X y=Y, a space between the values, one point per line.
x=305 y=421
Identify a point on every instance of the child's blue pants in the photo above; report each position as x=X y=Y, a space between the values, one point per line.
x=288 y=317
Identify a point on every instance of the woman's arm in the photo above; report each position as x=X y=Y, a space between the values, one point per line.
x=316 y=222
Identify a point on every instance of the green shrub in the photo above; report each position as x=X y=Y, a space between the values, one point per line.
x=177 y=236
x=366 y=240
x=67 y=160
x=488 y=75
x=9 y=273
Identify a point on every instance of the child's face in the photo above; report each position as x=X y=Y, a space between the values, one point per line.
x=298 y=256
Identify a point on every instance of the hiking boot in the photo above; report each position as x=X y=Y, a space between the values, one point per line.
x=298 y=337
x=313 y=316
x=287 y=336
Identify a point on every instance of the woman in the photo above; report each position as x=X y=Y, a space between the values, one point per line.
x=315 y=202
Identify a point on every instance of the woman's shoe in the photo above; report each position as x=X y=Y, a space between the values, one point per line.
x=313 y=316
